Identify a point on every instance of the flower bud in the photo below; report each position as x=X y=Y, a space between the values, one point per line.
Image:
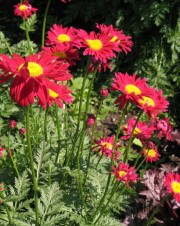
x=91 y=119
x=104 y=92
x=12 y=124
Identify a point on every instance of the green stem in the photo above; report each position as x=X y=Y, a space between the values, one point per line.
x=9 y=215
x=28 y=135
x=155 y=210
x=45 y=123
x=59 y=134
x=28 y=38
x=112 y=161
x=114 y=189
x=44 y=21
x=131 y=137
x=12 y=159
x=8 y=47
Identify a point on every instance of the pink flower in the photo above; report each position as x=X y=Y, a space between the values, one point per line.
x=125 y=173
x=91 y=120
x=142 y=131
x=104 y=92
x=150 y=152
x=24 y=9
x=12 y=124
x=172 y=183
x=164 y=128
x=105 y=146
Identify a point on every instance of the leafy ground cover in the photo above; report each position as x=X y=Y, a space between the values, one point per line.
x=82 y=141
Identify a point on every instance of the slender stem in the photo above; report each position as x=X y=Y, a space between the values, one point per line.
x=28 y=38
x=113 y=192
x=28 y=135
x=131 y=137
x=12 y=159
x=112 y=161
x=156 y=209
x=8 y=47
x=45 y=123
x=9 y=214
x=59 y=133
x=44 y=21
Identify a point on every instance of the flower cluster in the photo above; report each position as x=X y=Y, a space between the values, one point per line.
x=150 y=100
x=36 y=76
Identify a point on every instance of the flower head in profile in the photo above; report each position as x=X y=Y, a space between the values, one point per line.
x=150 y=152
x=97 y=45
x=142 y=130
x=163 y=127
x=172 y=183
x=124 y=42
x=123 y=172
x=62 y=35
x=24 y=9
x=153 y=103
x=32 y=76
x=105 y=147
x=130 y=87
x=64 y=53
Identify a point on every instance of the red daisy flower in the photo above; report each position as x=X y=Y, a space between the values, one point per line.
x=117 y=36
x=105 y=146
x=91 y=120
x=24 y=9
x=142 y=131
x=125 y=173
x=32 y=76
x=58 y=94
x=98 y=45
x=153 y=103
x=59 y=34
x=172 y=183
x=64 y=52
x=164 y=128
x=151 y=153
x=131 y=87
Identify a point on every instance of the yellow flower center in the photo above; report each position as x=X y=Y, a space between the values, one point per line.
x=150 y=152
x=22 y=7
x=34 y=69
x=132 y=89
x=175 y=186
x=61 y=55
x=122 y=173
x=107 y=145
x=53 y=94
x=63 y=38
x=95 y=44
x=114 y=39
x=136 y=131
x=147 y=100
